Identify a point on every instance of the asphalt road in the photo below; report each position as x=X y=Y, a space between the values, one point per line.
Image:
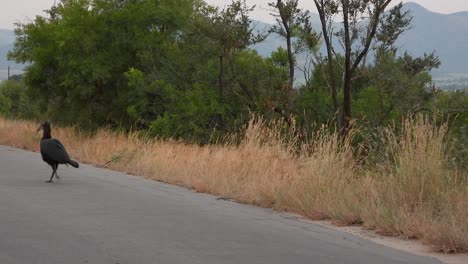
x=100 y=216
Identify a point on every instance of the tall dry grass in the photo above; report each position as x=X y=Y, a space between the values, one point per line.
x=414 y=193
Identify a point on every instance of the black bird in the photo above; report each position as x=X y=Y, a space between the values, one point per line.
x=53 y=152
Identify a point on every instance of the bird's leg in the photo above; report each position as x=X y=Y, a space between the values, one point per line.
x=54 y=171
x=56 y=174
x=51 y=176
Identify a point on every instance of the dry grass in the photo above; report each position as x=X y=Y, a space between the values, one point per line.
x=414 y=194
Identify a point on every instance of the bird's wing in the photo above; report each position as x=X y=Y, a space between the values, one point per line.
x=55 y=150
x=58 y=143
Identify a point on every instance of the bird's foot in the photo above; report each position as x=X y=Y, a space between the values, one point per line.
x=49 y=181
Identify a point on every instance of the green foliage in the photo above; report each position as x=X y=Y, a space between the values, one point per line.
x=392 y=25
x=314 y=103
x=144 y=101
x=453 y=106
x=321 y=76
x=357 y=36
x=5 y=104
x=279 y=57
x=183 y=69
x=292 y=24
x=80 y=53
x=375 y=105
x=390 y=89
x=313 y=106
x=257 y=83
x=190 y=115
x=15 y=101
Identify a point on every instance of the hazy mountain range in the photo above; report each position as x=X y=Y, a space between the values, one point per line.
x=447 y=35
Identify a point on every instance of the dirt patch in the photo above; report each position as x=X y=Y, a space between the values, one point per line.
x=411 y=246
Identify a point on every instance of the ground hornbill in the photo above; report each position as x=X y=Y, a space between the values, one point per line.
x=53 y=152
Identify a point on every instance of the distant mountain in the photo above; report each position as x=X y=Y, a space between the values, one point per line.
x=447 y=35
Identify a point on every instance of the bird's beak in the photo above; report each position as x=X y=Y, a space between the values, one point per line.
x=39 y=128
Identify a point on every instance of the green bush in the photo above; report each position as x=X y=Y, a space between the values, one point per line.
x=15 y=101
x=192 y=115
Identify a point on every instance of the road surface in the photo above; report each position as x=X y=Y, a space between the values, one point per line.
x=100 y=216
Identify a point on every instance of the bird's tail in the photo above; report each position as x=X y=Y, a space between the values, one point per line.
x=73 y=163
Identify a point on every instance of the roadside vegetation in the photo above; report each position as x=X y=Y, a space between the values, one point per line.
x=413 y=191
x=173 y=91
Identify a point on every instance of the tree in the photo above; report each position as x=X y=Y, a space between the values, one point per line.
x=364 y=23
x=228 y=32
x=80 y=51
x=315 y=102
x=209 y=57
x=232 y=29
x=15 y=102
x=292 y=23
x=394 y=86
x=327 y=11
x=149 y=65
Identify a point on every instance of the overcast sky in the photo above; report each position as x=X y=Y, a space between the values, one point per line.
x=24 y=10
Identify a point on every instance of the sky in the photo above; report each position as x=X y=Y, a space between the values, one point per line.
x=25 y=10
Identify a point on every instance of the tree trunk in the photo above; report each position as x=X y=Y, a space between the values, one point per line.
x=287 y=29
x=346 y=116
x=290 y=59
x=285 y=20
x=221 y=73
x=321 y=9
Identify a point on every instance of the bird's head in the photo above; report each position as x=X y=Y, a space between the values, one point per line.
x=44 y=126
